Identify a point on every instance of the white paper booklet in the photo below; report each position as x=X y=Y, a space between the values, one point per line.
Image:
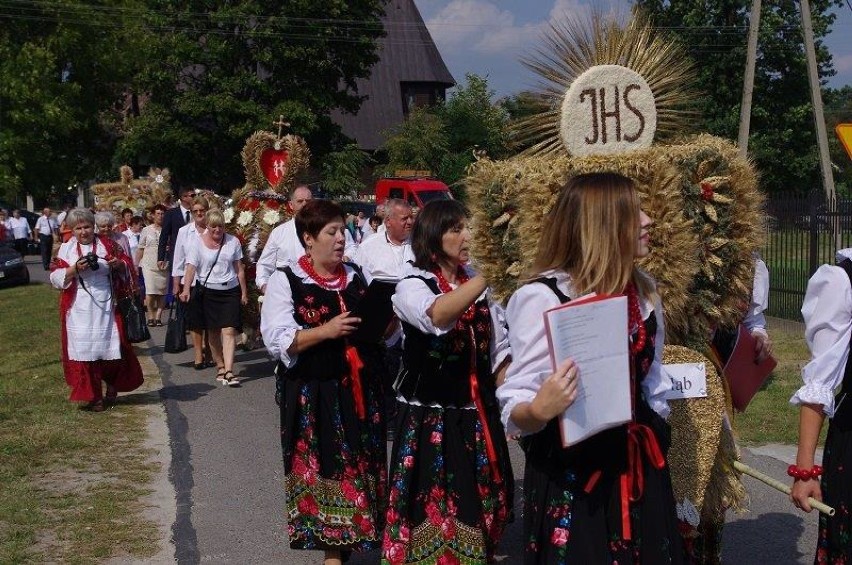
x=593 y=332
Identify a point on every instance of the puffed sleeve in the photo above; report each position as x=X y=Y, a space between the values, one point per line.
x=412 y=300
x=827 y=311
x=57 y=276
x=277 y=324
x=528 y=342
x=500 y=348
x=656 y=383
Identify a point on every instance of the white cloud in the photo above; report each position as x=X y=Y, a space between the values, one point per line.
x=842 y=64
x=484 y=27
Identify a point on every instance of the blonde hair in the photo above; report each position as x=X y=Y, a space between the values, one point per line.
x=201 y=201
x=215 y=218
x=592 y=234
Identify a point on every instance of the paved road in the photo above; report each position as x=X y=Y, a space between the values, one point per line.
x=226 y=476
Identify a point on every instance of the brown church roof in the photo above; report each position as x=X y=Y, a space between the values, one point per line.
x=407 y=54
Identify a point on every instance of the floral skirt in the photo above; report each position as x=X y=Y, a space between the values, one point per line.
x=446 y=506
x=569 y=518
x=834 y=543
x=335 y=473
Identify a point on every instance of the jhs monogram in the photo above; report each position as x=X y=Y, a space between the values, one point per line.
x=606 y=105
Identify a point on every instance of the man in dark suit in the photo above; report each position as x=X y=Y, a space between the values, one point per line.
x=174 y=219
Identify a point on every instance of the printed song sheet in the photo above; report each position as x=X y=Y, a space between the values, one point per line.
x=593 y=332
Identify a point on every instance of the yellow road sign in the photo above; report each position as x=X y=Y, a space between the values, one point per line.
x=844 y=132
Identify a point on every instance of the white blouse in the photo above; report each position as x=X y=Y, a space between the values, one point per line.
x=223 y=276
x=531 y=358
x=187 y=238
x=278 y=325
x=413 y=298
x=827 y=310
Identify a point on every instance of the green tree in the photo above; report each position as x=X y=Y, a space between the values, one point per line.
x=443 y=139
x=342 y=171
x=222 y=71
x=783 y=137
x=63 y=73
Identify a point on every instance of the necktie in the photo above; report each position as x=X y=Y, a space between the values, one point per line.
x=186 y=217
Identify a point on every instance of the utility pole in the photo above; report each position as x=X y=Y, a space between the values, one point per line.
x=816 y=100
x=748 y=81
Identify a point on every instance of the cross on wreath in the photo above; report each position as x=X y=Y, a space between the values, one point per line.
x=281 y=124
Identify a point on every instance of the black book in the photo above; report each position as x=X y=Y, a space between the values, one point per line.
x=375 y=310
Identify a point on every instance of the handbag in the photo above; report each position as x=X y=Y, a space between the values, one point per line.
x=176 y=329
x=133 y=313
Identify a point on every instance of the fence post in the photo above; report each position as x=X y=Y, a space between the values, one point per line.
x=813 y=211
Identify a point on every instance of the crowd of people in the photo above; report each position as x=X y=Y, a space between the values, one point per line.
x=453 y=374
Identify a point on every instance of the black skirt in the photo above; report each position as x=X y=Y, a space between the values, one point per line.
x=445 y=501
x=567 y=519
x=212 y=309
x=834 y=544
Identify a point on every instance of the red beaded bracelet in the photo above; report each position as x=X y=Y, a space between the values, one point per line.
x=804 y=474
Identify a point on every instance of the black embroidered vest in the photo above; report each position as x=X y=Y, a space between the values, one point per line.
x=312 y=307
x=436 y=369
x=544 y=447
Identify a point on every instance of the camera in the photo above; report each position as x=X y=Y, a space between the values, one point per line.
x=91 y=260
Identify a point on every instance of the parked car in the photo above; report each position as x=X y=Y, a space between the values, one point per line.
x=417 y=191
x=13 y=270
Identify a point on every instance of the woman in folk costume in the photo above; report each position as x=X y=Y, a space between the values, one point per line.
x=329 y=390
x=607 y=499
x=451 y=483
x=94 y=347
x=827 y=311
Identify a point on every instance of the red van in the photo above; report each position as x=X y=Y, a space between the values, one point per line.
x=417 y=191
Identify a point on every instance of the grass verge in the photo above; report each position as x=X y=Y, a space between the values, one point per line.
x=72 y=481
x=770 y=418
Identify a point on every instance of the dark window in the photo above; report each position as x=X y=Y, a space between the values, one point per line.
x=420 y=94
x=396 y=193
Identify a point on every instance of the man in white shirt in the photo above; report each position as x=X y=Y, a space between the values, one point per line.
x=385 y=256
x=283 y=247
x=45 y=228
x=20 y=229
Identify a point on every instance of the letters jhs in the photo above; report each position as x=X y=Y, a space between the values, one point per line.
x=600 y=114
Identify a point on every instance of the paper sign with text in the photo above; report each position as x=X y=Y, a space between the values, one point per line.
x=689 y=380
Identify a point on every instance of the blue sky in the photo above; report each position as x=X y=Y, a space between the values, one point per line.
x=487 y=37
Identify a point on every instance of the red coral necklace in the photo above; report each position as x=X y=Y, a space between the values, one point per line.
x=337 y=281
x=444 y=285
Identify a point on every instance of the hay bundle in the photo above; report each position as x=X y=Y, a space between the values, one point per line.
x=136 y=194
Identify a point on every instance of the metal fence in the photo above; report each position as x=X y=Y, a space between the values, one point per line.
x=803 y=232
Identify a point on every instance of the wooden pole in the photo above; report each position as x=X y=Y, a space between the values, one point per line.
x=778 y=485
x=816 y=100
x=748 y=80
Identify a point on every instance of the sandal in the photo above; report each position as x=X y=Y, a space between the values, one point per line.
x=220 y=376
x=200 y=366
x=151 y=323
x=159 y=323
x=232 y=380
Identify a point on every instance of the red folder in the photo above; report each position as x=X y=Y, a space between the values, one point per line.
x=744 y=374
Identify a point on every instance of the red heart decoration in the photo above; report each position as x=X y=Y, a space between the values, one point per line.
x=273 y=163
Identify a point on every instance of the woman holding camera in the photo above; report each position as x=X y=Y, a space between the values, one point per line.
x=156 y=279
x=94 y=347
x=214 y=265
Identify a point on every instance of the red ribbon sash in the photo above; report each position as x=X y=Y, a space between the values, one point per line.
x=480 y=409
x=640 y=441
x=355 y=366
